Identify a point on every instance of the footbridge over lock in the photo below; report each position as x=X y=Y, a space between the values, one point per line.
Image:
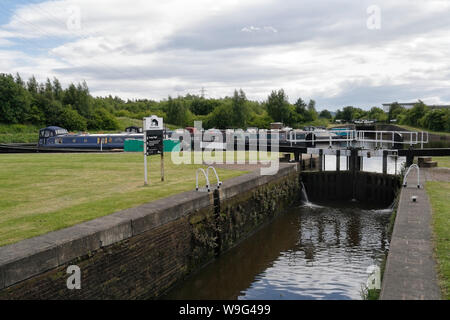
x=353 y=144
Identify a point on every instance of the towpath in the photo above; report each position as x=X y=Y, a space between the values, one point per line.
x=411 y=269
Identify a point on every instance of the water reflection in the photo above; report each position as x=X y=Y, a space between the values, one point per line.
x=311 y=252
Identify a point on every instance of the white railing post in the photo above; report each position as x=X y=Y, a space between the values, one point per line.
x=219 y=183
x=405 y=179
x=206 y=177
x=421 y=142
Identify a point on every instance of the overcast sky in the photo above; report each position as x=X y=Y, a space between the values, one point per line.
x=348 y=52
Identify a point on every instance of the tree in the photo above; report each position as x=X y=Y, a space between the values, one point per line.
x=33 y=86
x=79 y=98
x=14 y=101
x=300 y=110
x=359 y=113
x=300 y=106
x=58 y=92
x=177 y=112
x=239 y=109
x=395 y=110
x=19 y=81
x=221 y=117
x=102 y=119
x=347 y=113
x=261 y=121
x=377 y=114
x=278 y=106
x=415 y=114
x=312 y=113
x=437 y=120
x=202 y=106
x=48 y=92
x=71 y=120
x=325 y=114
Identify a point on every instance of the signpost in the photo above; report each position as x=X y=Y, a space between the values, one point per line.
x=153 y=142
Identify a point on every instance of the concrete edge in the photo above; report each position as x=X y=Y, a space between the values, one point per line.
x=400 y=241
x=393 y=235
x=30 y=257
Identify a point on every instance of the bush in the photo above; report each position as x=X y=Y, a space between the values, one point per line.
x=436 y=120
x=103 y=120
x=71 y=120
x=415 y=114
x=123 y=114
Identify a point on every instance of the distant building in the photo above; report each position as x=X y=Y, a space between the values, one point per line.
x=386 y=106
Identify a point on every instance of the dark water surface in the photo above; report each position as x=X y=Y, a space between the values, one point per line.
x=310 y=252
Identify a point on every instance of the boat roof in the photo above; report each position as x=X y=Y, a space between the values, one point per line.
x=130 y=134
x=53 y=128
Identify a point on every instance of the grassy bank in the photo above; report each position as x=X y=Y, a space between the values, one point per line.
x=18 y=133
x=443 y=133
x=438 y=193
x=46 y=192
x=443 y=162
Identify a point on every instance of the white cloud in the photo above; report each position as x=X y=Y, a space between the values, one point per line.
x=315 y=49
x=258 y=29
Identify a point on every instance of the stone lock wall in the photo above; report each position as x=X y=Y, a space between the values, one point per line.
x=230 y=220
x=140 y=253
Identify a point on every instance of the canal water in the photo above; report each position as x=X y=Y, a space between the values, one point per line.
x=310 y=252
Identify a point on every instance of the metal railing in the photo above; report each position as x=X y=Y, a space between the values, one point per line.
x=208 y=188
x=206 y=175
x=351 y=137
x=405 y=179
x=389 y=137
x=219 y=183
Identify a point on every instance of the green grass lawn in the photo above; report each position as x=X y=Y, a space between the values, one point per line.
x=438 y=193
x=442 y=161
x=46 y=192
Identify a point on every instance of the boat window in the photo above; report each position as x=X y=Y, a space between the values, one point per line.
x=46 y=133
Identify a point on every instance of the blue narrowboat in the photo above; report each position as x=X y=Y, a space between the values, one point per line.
x=56 y=137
